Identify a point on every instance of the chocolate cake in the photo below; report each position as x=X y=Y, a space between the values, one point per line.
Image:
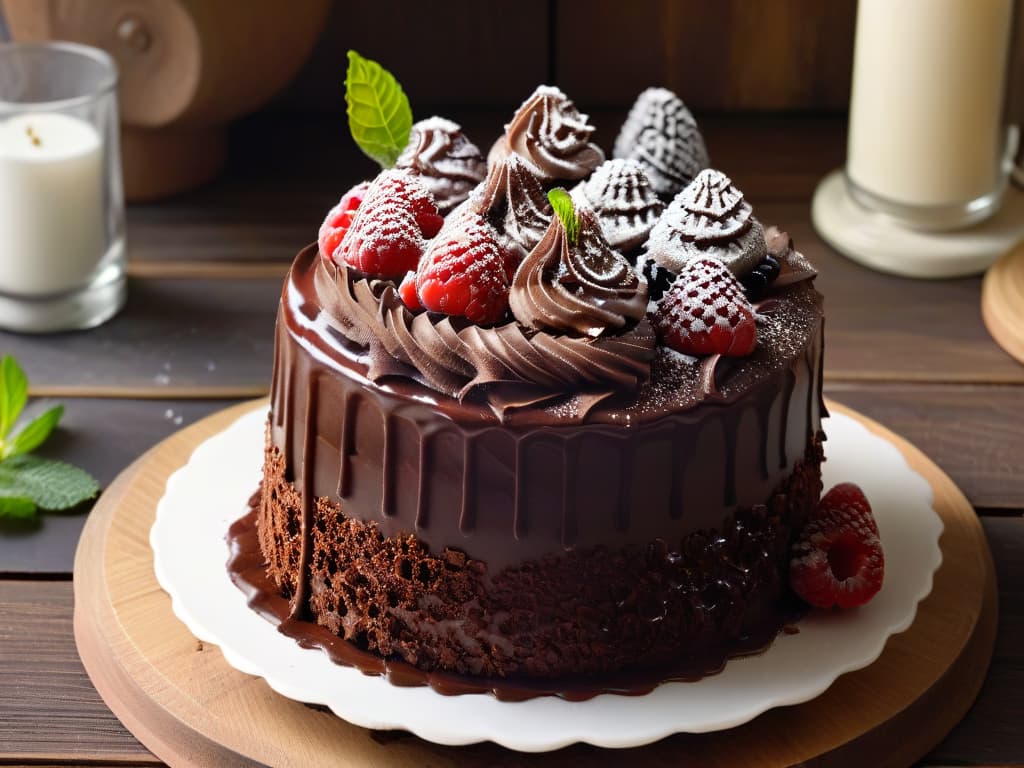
x=556 y=474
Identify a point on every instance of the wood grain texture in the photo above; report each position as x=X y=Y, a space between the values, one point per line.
x=728 y=55
x=49 y=711
x=884 y=328
x=192 y=708
x=457 y=52
x=103 y=436
x=974 y=433
x=211 y=337
x=1002 y=302
x=990 y=734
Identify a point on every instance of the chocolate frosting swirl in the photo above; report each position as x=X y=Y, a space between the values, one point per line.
x=449 y=164
x=583 y=287
x=512 y=197
x=552 y=134
x=509 y=365
x=708 y=218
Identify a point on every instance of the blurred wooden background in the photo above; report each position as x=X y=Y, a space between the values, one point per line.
x=719 y=55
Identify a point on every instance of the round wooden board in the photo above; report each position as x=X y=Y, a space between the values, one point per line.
x=186 y=704
x=1002 y=301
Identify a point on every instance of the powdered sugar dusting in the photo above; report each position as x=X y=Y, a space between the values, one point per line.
x=710 y=218
x=549 y=131
x=626 y=204
x=661 y=134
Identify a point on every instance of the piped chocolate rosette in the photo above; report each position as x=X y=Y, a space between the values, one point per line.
x=449 y=165
x=513 y=200
x=552 y=134
x=576 y=327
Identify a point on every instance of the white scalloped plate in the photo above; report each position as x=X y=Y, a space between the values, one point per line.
x=206 y=495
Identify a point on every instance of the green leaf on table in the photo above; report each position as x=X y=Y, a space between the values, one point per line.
x=51 y=484
x=13 y=393
x=34 y=433
x=379 y=115
x=16 y=506
x=562 y=203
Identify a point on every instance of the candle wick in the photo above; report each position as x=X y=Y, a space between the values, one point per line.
x=33 y=136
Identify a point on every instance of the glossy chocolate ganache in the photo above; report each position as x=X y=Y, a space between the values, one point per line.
x=573 y=494
x=584 y=540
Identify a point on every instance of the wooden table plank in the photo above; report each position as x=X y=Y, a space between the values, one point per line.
x=884 y=328
x=49 y=710
x=174 y=338
x=65 y=719
x=991 y=733
x=103 y=436
x=974 y=433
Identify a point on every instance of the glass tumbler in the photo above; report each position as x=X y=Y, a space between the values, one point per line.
x=928 y=142
x=62 y=255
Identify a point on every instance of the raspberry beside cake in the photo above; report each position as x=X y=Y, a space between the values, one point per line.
x=549 y=442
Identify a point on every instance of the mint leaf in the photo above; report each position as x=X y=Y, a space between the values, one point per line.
x=379 y=115
x=50 y=484
x=16 y=506
x=566 y=212
x=34 y=433
x=13 y=393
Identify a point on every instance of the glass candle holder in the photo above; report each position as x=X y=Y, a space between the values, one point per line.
x=62 y=255
x=928 y=142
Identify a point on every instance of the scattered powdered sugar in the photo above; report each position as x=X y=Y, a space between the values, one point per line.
x=661 y=134
x=710 y=218
x=626 y=204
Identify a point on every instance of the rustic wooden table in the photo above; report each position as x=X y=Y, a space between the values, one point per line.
x=196 y=336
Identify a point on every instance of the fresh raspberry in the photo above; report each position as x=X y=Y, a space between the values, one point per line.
x=407 y=292
x=464 y=271
x=387 y=235
x=838 y=560
x=704 y=312
x=333 y=230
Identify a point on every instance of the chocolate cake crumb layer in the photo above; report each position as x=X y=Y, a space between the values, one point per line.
x=664 y=610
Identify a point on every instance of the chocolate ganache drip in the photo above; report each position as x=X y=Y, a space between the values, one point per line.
x=583 y=287
x=708 y=218
x=458 y=359
x=552 y=134
x=449 y=164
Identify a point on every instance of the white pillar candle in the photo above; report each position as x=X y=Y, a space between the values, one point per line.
x=926 y=124
x=52 y=232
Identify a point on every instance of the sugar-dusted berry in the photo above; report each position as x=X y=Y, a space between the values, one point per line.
x=338 y=221
x=407 y=292
x=389 y=232
x=464 y=271
x=705 y=312
x=838 y=560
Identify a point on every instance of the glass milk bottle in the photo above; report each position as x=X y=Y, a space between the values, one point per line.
x=927 y=142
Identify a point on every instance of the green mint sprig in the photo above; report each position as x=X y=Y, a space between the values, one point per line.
x=27 y=482
x=379 y=114
x=562 y=203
